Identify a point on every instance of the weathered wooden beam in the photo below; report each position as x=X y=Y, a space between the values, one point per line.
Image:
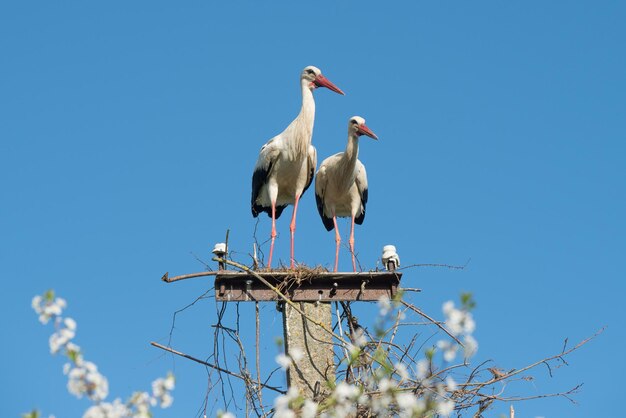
x=307 y=287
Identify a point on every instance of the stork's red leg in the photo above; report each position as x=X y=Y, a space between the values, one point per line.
x=292 y=229
x=351 y=242
x=273 y=235
x=337 y=241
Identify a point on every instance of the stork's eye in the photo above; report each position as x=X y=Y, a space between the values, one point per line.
x=354 y=122
x=309 y=71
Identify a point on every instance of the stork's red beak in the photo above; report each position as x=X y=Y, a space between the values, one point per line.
x=321 y=81
x=364 y=130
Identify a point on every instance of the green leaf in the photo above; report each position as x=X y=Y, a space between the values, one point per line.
x=398 y=296
x=467 y=301
x=380 y=356
x=49 y=295
x=354 y=356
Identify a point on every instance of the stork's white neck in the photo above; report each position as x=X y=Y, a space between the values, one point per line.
x=346 y=165
x=307 y=112
x=351 y=154
x=298 y=134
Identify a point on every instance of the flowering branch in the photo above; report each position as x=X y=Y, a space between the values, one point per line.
x=84 y=379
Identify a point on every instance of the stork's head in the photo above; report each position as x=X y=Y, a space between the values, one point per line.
x=357 y=127
x=314 y=79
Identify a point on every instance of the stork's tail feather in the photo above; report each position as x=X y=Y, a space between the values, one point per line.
x=359 y=219
x=257 y=209
x=328 y=223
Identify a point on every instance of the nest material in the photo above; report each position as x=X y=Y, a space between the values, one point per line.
x=302 y=273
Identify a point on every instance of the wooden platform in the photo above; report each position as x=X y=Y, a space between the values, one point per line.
x=319 y=286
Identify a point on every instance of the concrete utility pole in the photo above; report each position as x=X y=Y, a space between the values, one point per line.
x=310 y=347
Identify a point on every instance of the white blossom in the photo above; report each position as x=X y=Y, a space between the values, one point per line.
x=407 y=402
x=470 y=345
x=141 y=401
x=422 y=368
x=384 y=305
x=385 y=384
x=449 y=349
x=47 y=308
x=402 y=371
x=283 y=360
x=36 y=303
x=381 y=404
x=454 y=322
x=358 y=337
x=160 y=391
x=451 y=384
x=445 y=407
x=54 y=343
x=282 y=408
x=344 y=391
x=86 y=380
x=166 y=400
x=469 y=325
x=108 y=410
x=458 y=321
x=309 y=409
x=72 y=347
x=344 y=398
x=285 y=413
x=69 y=323
x=296 y=353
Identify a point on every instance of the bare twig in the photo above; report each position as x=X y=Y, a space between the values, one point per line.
x=258 y=355
x=213 y=366
x=449 y=266
x=535 y=364
x=168 y=279
x=437 y=323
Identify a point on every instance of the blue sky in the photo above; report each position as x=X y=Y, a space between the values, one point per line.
x=129 y=132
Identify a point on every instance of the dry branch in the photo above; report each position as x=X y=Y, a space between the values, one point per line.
x=168 y=279
x=438 y=323
x=213 y=366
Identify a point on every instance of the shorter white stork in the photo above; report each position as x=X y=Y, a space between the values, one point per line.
x=341 y=185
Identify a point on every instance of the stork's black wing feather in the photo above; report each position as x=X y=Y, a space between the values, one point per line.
x=361 y=184
x=258 y=180
x=328 y=222
x=311 y=175
x=359 y=219
x=312 y=164
x=259 y=177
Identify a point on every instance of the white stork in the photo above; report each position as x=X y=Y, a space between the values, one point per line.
x=341 y=185
x=286 y=163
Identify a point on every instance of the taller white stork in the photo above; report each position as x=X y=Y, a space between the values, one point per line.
x=286 y=163
x=341 y=185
